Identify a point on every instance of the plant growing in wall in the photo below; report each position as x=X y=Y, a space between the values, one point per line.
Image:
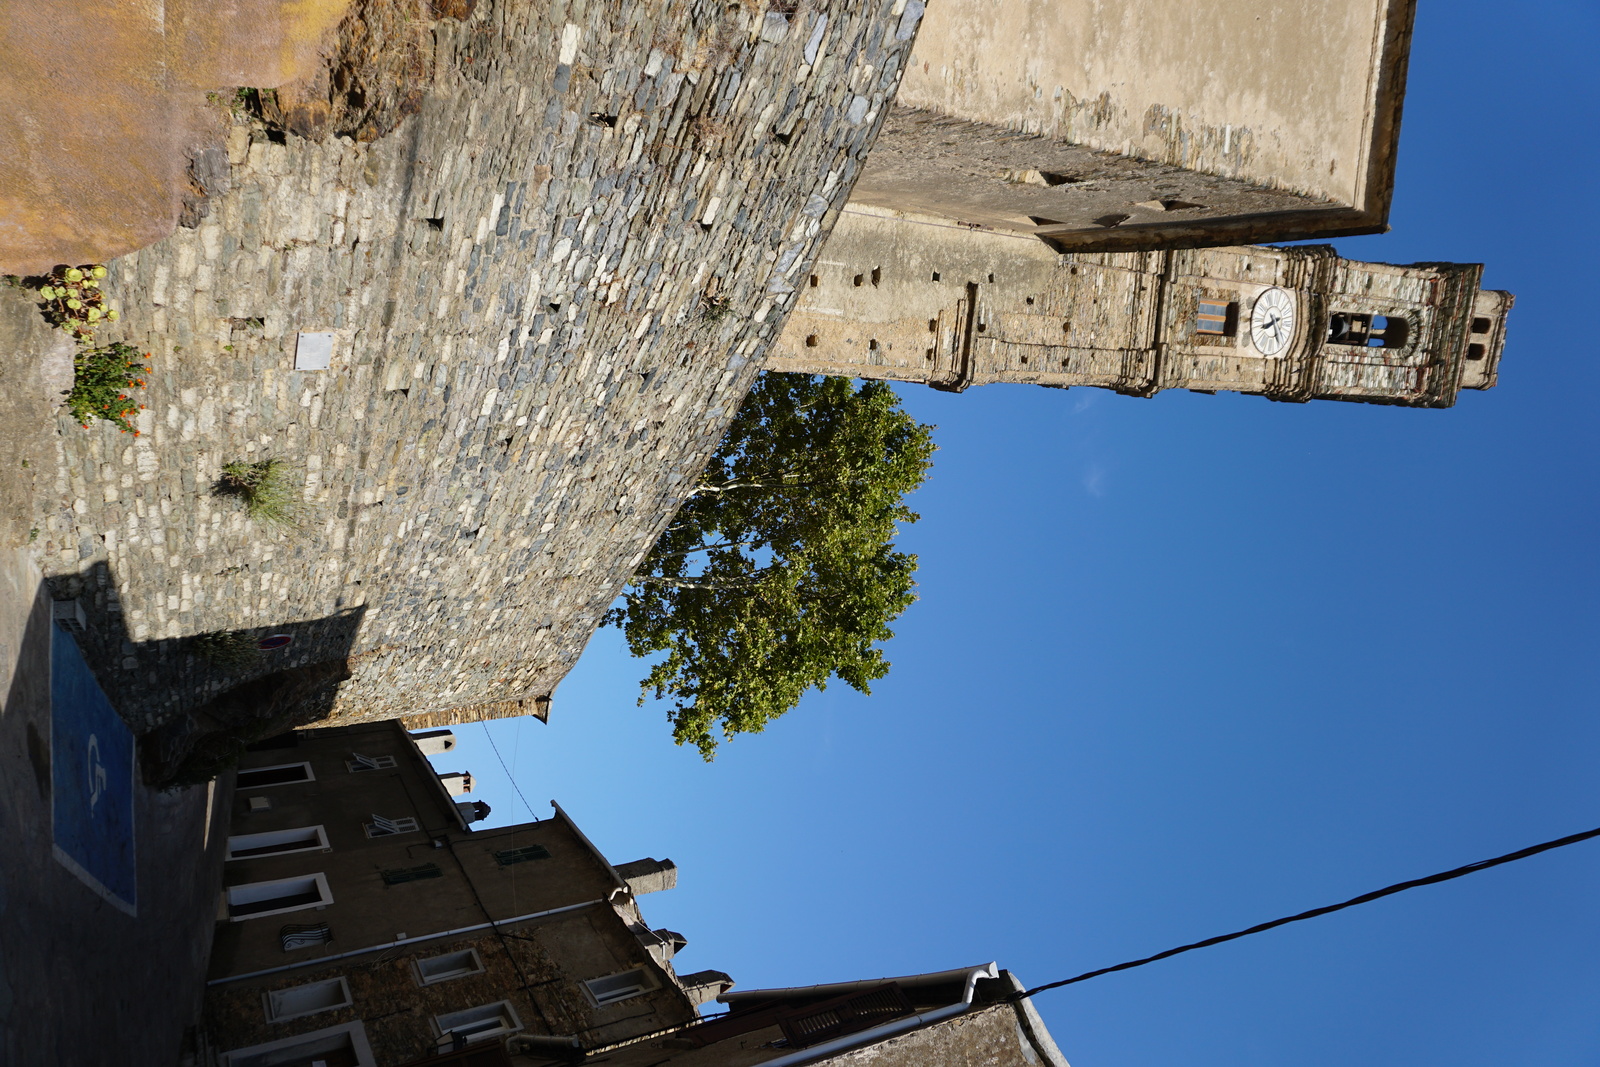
x=268 y=488
x=73 y=299
x=103 y=381
x=779 y=573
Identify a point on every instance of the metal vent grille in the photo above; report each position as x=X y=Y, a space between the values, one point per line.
x=845 y=1015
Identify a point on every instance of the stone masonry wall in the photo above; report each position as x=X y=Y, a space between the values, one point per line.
x=526 y=282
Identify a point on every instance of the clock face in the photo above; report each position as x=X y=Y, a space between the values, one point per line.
x=1272 y=321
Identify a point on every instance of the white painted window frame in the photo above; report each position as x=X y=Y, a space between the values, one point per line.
x=256 y=840
x=358 y=763
x=357 y=1033
x=269 y=1000
x=406 y=824
x=311 y=775
x=502 y=1007
x=646 y=984
x=423 y=978
x=319 y=879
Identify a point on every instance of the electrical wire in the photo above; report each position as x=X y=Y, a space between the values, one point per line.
x=503 y=767
x=1398 y=887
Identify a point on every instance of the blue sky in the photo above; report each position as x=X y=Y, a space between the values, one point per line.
x=1184 y=664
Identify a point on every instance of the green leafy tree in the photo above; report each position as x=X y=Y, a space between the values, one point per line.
x=779 y=572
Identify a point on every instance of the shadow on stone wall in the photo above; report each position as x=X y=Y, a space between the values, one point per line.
x=212 y=710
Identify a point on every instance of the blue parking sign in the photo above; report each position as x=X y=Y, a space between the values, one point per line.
x=91 y=775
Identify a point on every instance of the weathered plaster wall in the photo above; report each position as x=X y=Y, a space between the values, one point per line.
x=1003 y=179
x=1127 y=125
x=1282 y=94
x=525 y=381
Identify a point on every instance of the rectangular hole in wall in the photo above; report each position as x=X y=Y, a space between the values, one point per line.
x=276 y=842
x=281 y=774
x=254 y=899
x=615 y=987
x=477 y=1024
x=448 y=966
x=346 y=1045
x=301 y=1000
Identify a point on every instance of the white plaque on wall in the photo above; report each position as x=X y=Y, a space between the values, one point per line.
x=313 y=351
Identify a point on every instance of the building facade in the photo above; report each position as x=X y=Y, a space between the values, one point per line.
x=960 y=1018
x=364 y=921
x=1116 y=125
x=910 y=298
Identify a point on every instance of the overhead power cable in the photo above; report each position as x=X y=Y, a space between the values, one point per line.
x=1398 y=887
x=503 y=767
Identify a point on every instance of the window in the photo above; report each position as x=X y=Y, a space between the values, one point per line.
x=1481 y=325
x=276 y=842
x=1216 y=317
x=343 y=1045
x=522 y=855
x=450 y=965
x=1367 y=331
x=475 y=1024
x=280 y=774
x=381 y=827
x=358 y=762
x=284 y=1004
x=304 y=935
x=254 y=899
x=401 y=875
x=615 y=987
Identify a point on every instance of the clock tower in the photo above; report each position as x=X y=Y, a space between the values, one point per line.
x=898 y=297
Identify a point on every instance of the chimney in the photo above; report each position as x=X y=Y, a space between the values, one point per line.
x=649 y=876
x=435 y=742
x=457 y=782
x=703 y=986
x=472 y=810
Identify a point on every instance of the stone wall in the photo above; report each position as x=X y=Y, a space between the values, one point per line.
x=549 y=291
